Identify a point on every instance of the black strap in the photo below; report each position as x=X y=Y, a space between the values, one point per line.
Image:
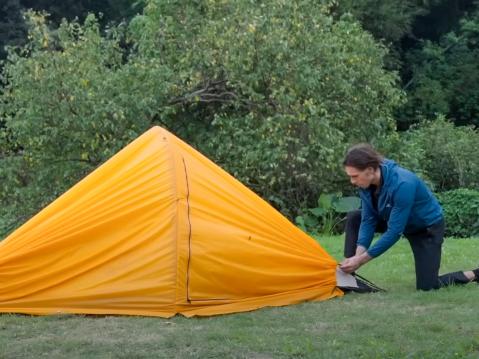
x=369 y=283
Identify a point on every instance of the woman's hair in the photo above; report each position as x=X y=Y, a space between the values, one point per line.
x=362 y=156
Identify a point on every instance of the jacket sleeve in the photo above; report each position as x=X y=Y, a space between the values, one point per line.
x=403 y=202
x=367 y=227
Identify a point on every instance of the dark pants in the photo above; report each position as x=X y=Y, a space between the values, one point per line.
x=426 y=247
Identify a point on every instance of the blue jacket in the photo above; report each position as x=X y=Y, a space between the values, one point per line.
x=404 y=202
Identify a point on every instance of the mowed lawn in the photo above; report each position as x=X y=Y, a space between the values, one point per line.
x=400 y=323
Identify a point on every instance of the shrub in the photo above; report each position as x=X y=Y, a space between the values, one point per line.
x=70 y=100
x=326 y=217
x=444 y=154
x=461 y=210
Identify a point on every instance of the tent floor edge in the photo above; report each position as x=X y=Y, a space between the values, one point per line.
x=278 y=300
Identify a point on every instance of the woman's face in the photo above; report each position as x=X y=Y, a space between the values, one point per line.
x=360 y=178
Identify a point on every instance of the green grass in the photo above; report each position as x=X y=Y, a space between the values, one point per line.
x=400 y=323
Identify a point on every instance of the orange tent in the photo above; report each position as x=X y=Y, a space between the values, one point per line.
x=159 y=230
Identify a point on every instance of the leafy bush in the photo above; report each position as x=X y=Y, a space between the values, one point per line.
x=69 y=102
x=325 y=218
x=461 y=210
x=445 y=155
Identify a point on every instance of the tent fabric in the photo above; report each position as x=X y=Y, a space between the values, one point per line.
x=159 y=230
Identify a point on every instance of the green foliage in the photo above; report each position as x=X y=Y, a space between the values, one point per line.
x=430 y=44
x=446 y=155
x=70 y=102
x=272 y=92
x=445 y=77
x=461 y=211
x=324 y=219
x=388 y=20
x=12 y=26
x=13 y=29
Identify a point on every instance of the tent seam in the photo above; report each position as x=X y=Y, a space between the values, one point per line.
x=189 y=233
x=177 y=197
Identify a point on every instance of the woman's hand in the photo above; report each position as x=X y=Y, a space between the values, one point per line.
x=352 y=264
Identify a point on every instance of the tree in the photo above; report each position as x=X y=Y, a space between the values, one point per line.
x=273 y=93
x=445 y=77
x=12 y=26
x=69 y=102
x=387 y=20
x=13 y=29
x=110 y=10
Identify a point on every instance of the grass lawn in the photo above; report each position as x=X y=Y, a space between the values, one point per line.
x=400 y=323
